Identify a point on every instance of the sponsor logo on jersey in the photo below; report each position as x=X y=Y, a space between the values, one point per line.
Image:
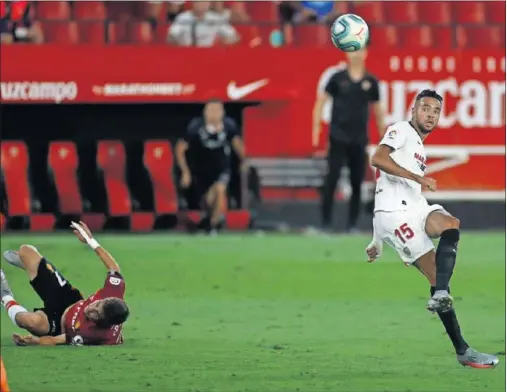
x=420 y=158
x=421 y=161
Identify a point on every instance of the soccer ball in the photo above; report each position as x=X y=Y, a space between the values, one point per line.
x=350 y=33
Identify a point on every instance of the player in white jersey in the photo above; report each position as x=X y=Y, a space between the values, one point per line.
x=404 y=220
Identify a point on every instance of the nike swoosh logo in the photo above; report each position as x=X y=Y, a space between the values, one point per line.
x=234 y=92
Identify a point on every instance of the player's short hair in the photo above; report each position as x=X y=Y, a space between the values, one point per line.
x=428 y=93
x=114 y=312
x=214 y=100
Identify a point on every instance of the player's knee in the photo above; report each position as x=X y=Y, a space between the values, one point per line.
x=29 y=254
x=26 y=249
x=220 y=189
x=450 y=230
x=220 y=192
x=454 y=223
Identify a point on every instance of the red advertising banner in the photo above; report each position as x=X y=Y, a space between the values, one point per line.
x=467 y=152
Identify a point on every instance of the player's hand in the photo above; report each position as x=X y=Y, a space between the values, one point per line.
x=374 y=251
x=27 y=340
x=81 y=231
x=428 y=184
x=243 y=167
x=186 y=179
x=315 y=135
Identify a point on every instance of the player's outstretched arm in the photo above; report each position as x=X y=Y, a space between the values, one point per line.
x=30 y=340
x=85 y=236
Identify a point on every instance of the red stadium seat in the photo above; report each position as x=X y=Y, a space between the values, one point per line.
x=94 y=10
x=140 y=32
x=18 y=10
x=61 y=32
x=14 y=163
x=92 y=32
x=384 y=37
x=63 y=163
x=443 y=37
x=417 y=37
x=469 y=12
x=492 y=37
x=120 y=10
x=145 y=10
x=158 y=160
x=111 y=159
x=3 y=9
x=434 y=12
x=313 y=35
x=370 y=11
x=262 y=11
x=161 y=33
x=117 y=32
x=53 y=10
x=401 y=12
x=495 y=12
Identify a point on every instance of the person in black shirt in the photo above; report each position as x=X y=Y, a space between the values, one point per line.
x=352 y=91
x=206 y=174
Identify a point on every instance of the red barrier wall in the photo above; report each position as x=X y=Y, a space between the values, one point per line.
x=469 y=143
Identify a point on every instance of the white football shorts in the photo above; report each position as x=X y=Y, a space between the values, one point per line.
x=405 y=231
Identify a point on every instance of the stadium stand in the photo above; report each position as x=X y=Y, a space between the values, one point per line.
x=399 y=22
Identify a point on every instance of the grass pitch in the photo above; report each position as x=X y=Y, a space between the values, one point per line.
x=266 y=313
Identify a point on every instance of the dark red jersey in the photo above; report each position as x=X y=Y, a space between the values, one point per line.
x=79 y=330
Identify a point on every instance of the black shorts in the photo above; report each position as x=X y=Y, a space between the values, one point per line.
x=56 y=293
x=201 y=183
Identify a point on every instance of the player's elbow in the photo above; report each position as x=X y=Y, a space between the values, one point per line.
x=376 y=160
x=380 y=157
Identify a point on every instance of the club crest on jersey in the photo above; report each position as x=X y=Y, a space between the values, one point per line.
x=366 y=85
x=391 y=134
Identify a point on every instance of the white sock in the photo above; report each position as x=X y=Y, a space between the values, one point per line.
x=6 y=299
x=12 y=307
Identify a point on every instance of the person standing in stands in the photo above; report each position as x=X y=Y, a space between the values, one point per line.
x=201 y=27
x=206 y=174
x=309 y=11
x=17 y=25
x=352 y=91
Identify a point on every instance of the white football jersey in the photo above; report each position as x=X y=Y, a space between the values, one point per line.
x=395 y=193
